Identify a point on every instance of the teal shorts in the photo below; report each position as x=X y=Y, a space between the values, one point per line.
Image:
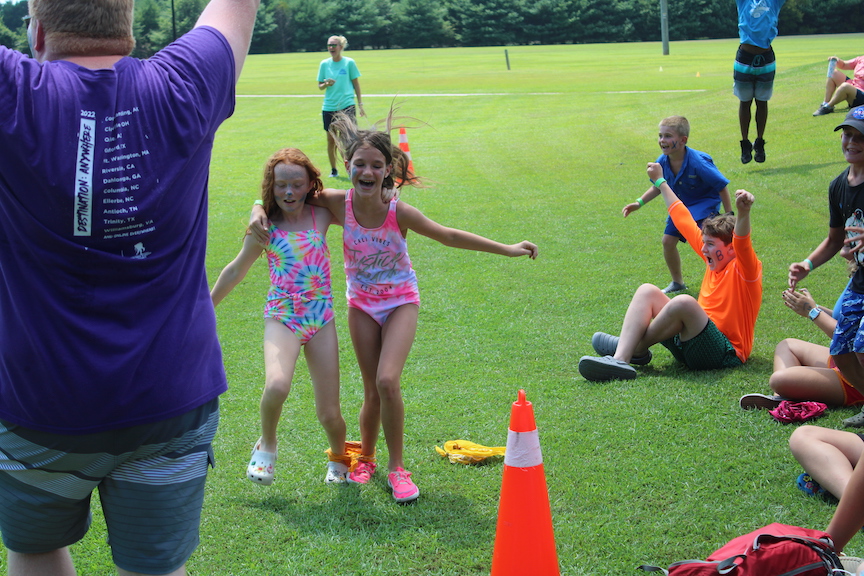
x=150 y=480
x=709 y=350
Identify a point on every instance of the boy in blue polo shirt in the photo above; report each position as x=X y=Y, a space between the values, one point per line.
x=696 y=182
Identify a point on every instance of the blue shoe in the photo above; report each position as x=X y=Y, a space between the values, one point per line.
x=809 y=486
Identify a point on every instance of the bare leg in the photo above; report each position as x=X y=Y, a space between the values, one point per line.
x=398 y=336
x=801 y=373
x=281 y=349
x=57 y=563
x=761 y=117
x=331 y=151
x=381 y=353
x=366 y=338
x=672 y=257
x=845 y=92
x=827 y=455
x=653 y=317
x=744 y=118
x=835 y=81
x=322 y=358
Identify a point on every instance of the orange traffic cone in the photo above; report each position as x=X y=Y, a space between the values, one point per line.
x=524 y=541
x=403 y=145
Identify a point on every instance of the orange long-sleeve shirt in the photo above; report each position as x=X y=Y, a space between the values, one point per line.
x=733 y=296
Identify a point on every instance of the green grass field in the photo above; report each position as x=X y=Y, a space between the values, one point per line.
x=653 y=470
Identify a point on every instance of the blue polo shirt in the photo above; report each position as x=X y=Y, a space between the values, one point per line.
x=697 y=184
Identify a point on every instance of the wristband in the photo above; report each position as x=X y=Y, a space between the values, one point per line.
x=640 y=202
x=659 y=182
x=810 y=264
x=258 y=202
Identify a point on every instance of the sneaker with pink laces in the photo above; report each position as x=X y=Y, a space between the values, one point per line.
x=362 y=473
x=404 y=490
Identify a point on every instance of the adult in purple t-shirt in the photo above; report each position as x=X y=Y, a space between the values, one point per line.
x=110 y=369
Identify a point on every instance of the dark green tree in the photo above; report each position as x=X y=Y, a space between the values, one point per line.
x=264 y=35
x=486 y=22
x=420 y=24
x=149 y=36
x=307 y=24
x=186 y=13
x=357 y=20
x=550 y=22
x=611 y=21
x=12 y=13
x=7 y=37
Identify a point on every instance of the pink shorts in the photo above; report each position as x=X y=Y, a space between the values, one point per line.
x=378 y=308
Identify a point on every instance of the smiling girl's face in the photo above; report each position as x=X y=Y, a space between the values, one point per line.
x=367 y=169
x=290 y=186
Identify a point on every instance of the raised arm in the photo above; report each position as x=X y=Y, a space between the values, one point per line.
x=743 y=202
x=412 y=219
x=236 y=270
x=655 y=172
x=235 y=19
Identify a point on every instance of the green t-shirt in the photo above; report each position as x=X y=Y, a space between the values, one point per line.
x=341 y=94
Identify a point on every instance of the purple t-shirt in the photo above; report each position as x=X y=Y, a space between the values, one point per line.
x=105 y=315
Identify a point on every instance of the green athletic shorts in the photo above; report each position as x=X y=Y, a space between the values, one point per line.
x=709 y=350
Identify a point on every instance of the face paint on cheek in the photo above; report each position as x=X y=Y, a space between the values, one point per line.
x=718 y=255
x=353 y=172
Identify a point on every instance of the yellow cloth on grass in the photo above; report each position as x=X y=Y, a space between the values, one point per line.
x=467 y=452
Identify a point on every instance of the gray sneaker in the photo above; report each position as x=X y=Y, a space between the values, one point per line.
x=674 y=287
x=856 y=421
x=605 y=368
x=823 y=109
x=752 y=401
x=606 y=345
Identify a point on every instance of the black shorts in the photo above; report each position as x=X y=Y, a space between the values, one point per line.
x=328 y=115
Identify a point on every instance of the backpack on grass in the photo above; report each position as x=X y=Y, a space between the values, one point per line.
x=774 y=550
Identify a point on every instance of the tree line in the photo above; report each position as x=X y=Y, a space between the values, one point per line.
x=305 y=25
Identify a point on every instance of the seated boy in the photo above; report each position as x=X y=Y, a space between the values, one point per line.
x=715 y=331
x=697 y=183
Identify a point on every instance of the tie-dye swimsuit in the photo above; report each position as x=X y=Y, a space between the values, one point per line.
x=377 y=267
x=300 y=294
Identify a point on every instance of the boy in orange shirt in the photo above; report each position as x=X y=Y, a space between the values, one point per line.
x=715 y=331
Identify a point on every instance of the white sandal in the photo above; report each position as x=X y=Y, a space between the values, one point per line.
x=337 y=473
x=261 y=466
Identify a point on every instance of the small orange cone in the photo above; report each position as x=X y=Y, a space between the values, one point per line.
x=524 y=541
x=403 y=145
x=697 y=75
